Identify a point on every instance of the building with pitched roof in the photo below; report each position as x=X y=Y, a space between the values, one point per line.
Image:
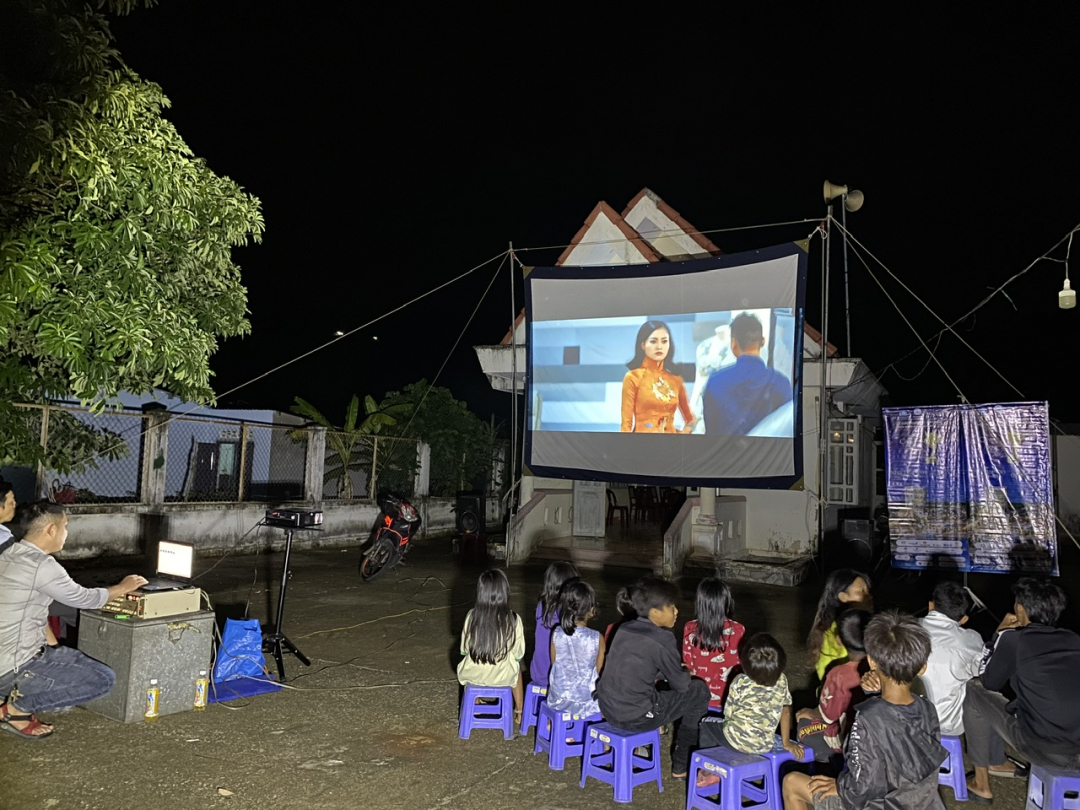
x=757 y=534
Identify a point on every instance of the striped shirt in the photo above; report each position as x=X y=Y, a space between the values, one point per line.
x=30 y=580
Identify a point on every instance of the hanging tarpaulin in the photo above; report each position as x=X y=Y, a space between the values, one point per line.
x=970 y=488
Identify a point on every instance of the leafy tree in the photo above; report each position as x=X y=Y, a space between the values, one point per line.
x=349 y=446
x=464 y=449
x=116 y=268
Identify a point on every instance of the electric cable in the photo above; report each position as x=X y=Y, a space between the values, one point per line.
x=435 y=379
x=173 y=417
x=674 y=231
x=1044 y=257
x=989 y=426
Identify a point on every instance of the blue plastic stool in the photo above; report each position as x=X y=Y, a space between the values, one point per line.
x=736 y=771
x=777 y=758
x=486 y=715
x=952 y=769
x=1047 y=788
x=553 y=728
x=620 y=767
x=534 y=696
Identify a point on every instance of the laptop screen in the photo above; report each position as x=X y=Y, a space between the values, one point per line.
x=175 y=559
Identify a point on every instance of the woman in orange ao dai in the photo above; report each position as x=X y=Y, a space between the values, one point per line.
x=650 y=395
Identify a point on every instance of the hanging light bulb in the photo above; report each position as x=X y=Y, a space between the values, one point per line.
x=1067 y=296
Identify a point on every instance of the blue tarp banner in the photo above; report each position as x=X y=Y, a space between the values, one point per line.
x=970 y=488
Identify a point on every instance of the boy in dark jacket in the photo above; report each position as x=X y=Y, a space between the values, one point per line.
x=1039 y=661
x=643 y=652
x=893 y=752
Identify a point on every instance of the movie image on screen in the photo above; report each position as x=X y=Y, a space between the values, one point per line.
x=686 y=371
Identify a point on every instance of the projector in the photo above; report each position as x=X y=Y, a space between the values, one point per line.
x=292 y=518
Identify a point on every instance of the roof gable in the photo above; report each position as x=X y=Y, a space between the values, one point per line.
x=665 y=229
x=606 y=239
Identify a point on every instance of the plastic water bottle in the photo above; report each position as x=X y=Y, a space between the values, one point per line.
x=153 y=701
x=202 y=686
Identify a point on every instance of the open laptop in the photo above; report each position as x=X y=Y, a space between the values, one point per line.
x=175 y=565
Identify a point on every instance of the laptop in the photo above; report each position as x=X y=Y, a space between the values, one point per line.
x=175 y=565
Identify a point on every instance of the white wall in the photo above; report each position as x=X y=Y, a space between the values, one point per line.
x=119 y=529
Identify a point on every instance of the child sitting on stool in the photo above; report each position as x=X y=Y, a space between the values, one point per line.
x=493 y=641
x=893 y=752
x=643 y=651
x=577 y=653
x=757 y=700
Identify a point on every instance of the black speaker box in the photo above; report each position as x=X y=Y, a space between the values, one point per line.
x=469 y=513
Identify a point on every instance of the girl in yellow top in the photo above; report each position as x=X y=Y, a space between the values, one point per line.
x=492 y=640
x=845 y=588
x=650 y=395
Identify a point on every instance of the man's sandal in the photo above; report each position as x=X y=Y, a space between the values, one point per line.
x=27 y=731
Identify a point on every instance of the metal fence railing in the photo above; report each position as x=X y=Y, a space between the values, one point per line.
x=206 y=460
x=219 y=460
x=87 y=457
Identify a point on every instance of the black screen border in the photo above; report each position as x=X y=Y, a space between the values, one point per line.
x=750 y=257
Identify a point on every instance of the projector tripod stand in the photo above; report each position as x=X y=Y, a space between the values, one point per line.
x=277 y=641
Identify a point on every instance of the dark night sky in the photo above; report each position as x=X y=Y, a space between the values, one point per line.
x=393 y=150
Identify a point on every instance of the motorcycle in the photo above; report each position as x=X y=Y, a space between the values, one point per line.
x=400 y=520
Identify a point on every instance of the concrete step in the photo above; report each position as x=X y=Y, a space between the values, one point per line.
x=788 y=571
x=593 y=558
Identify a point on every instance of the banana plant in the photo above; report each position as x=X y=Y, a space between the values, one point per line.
x=349 y=446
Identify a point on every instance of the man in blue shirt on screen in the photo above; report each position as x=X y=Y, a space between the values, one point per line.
x=739 y=396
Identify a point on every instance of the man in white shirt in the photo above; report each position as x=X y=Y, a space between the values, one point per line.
x=954 y=656
x=35 y=674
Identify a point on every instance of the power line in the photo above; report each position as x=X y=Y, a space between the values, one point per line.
x=453 y=348
x=672 y=231
x=173 y=417
x=1044 y=257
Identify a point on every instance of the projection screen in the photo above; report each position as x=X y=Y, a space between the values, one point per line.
x=685 y=373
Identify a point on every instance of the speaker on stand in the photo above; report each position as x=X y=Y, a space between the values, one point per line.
x=469 y=520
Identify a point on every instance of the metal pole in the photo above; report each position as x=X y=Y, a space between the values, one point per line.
x=42 y=486
x=847 y=297
x=513 y=410
x=823 y=407
x=240 y=489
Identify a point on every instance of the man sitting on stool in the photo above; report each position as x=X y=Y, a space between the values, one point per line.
x=35 y=674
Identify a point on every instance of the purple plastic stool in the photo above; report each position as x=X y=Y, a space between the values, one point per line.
x=952 y=769
x=1047 y=788
x=620 y=767
x=736 y=771
x=552 y=730
x=487 y=715
x=534 y=696
x=777 y=758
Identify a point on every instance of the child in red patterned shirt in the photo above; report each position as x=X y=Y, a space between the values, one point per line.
x=823 y=728
x=711 y=641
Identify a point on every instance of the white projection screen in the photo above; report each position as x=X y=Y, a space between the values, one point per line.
x=686 y=373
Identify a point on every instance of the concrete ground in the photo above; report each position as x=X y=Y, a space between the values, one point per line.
x=373 y=722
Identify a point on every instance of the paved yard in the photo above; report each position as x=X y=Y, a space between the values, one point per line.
x=373 y=722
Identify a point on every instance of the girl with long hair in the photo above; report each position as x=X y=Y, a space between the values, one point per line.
x=844 y=588
x=547 y=617
x=577 y=652
x=711 y=641
x=651 y=392
x=493 y=641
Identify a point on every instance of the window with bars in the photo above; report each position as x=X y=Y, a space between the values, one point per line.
x=843 y=477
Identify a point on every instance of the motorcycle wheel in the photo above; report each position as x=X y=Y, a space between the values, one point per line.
x=377 y=560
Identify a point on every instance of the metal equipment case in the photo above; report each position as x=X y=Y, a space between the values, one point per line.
x=172 y=649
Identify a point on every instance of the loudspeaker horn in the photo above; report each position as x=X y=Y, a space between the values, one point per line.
x=854 y=201
x=832 y=192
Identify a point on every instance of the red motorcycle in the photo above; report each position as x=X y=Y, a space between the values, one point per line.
x=400 y=520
